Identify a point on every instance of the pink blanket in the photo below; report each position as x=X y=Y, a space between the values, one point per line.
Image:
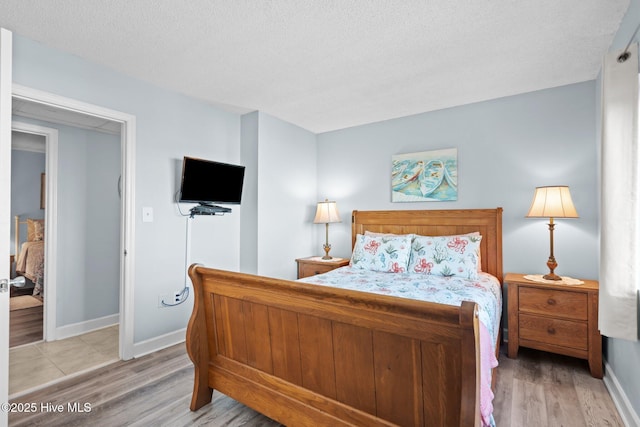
x=488 y=361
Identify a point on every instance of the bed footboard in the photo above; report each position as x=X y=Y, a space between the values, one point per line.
x=309 y=355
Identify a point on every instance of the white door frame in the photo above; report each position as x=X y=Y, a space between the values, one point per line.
x=127 y=228
x=6 y=58
x=51 y=222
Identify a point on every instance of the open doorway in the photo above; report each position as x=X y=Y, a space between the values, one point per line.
x=94 y=179
x=87 y=217
x=26 y=262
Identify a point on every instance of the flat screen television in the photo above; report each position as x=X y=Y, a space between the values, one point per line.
x=207 y=182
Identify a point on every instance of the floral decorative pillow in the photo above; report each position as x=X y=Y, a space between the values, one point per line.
x=382 y=253
x=446 y=255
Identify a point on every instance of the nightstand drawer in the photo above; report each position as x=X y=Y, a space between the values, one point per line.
x=306 y=270
x=565 y=333
x=570 y=305
x=313 y=265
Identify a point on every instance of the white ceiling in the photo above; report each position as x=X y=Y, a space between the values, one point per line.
x=331 y=64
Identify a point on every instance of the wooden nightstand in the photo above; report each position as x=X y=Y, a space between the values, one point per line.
x=560 y=319
x=313 y=265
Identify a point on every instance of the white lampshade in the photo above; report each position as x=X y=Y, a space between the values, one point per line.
x=326 y=212
x=552 y=202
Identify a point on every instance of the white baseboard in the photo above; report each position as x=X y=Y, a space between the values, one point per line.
x=80 y=328
x=158 y=343
x=629 y=416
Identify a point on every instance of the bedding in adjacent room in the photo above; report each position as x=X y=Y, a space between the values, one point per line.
x=30 y=260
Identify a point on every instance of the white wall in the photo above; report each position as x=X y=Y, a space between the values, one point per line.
x=169 y=126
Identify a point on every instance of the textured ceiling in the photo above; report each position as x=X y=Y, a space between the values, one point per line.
x=331 y=64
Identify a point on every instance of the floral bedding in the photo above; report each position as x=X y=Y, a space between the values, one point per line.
x=485 y=291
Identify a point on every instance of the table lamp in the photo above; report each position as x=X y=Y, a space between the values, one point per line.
x=327 y=212
x=552 y=202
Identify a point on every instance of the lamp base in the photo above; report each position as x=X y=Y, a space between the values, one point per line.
x=327 y=248
x=552 y=264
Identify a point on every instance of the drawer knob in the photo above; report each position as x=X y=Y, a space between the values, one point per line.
x=317 y=272
x=551 y=301
x=551 y=330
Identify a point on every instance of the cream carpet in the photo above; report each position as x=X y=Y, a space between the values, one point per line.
x=24 y=301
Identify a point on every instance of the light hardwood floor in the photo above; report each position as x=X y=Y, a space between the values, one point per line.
x=544 y=389
x=537 y=389
x=25 y=326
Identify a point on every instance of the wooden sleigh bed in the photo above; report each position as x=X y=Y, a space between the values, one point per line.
x=307 y=355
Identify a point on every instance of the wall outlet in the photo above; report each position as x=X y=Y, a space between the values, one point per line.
x=170 y=299
x=177 y=297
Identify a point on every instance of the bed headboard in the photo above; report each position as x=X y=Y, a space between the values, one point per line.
x=439 y=223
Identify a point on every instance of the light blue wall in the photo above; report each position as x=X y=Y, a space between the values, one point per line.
x=102 y=284
x=88 y=281
x=286 y=196
x=280 y=192
x=249 y=158
x=27 y=167
x=169 y=126
x=623 y=356
x=506 y=148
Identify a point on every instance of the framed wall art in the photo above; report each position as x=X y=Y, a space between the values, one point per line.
x=428 y=176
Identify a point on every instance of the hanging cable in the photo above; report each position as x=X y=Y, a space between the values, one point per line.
x=187 y=253
x=625 y=54
x=178 y=204
x=184 y=293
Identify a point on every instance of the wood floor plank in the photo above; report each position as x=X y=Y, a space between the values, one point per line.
x=503 y=393
x=528 y=407
x=571 y=397
x=25 y=326
x=561 y=406
x=596 y=410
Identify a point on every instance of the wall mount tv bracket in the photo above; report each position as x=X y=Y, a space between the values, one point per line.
x=208 y=210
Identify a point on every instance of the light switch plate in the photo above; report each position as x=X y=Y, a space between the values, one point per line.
x=147 y=214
